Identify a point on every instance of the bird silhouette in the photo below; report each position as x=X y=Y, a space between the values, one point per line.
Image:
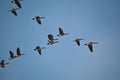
x=90 y=45
x=38 y=19
x=19 y=53
x=11 y=55
x=39 y=49
x=17 y=2
x=13 y=11
x=77 y=40
x=51 y=39
x=61 y=32
x=2 y=64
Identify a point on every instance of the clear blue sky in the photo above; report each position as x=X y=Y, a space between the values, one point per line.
x=93 y=20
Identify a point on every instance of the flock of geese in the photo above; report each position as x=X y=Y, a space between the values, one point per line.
x=51 y=40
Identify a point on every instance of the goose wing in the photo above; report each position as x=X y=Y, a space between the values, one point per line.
x=17 y=2
x=50 y=37
x=11 y=54
x=78 y=42
x=38 y=19
x=90 y=47
x=61 y=31
x=14 y=12
x=38 y=49
x=18 y=52
x=2 y=64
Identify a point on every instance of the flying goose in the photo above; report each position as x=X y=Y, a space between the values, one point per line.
x=38 y=48
x=51 y=39
x=11 y=55
x=13 y=11
x=90 y=45
x=77 y=40
x=38 y=19
x=17 y=2
x=61 y=32
x=2 y=64
x=18 y=52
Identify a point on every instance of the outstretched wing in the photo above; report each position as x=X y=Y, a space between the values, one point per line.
x=18 y=51
x=90 y=47
x=61 y=31
x=78 y=42
x=17 y=2
x=11 y=54
x=50 y=37
x=14 y=12
x=38 y=19
x=2 y=64
x=38 y=49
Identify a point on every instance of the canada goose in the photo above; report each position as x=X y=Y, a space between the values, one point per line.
x=11 y=55
x=2 y=64
x=52 y=42
x=13 y=11
x=38 y=19
x=18 y=52
x=61 y=32
x=90 y=45
x=77 y=40
x=17 y=2
x=38 y=48
x=51 y=39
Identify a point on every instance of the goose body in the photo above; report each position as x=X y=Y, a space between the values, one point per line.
x=61 y=32
x=77 y=40
x=39 y=49
x=51 y=39
x=2 y=64
x=52 y=42
x=17 y=2
x=38 y=19
x=90 y=45
x=11 y=55
x=13 y=11
x=18 y=52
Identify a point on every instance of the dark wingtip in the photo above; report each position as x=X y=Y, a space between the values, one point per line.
x=91 y=51
x=15 y=14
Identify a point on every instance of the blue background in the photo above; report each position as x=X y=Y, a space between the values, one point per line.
x=93 y=20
